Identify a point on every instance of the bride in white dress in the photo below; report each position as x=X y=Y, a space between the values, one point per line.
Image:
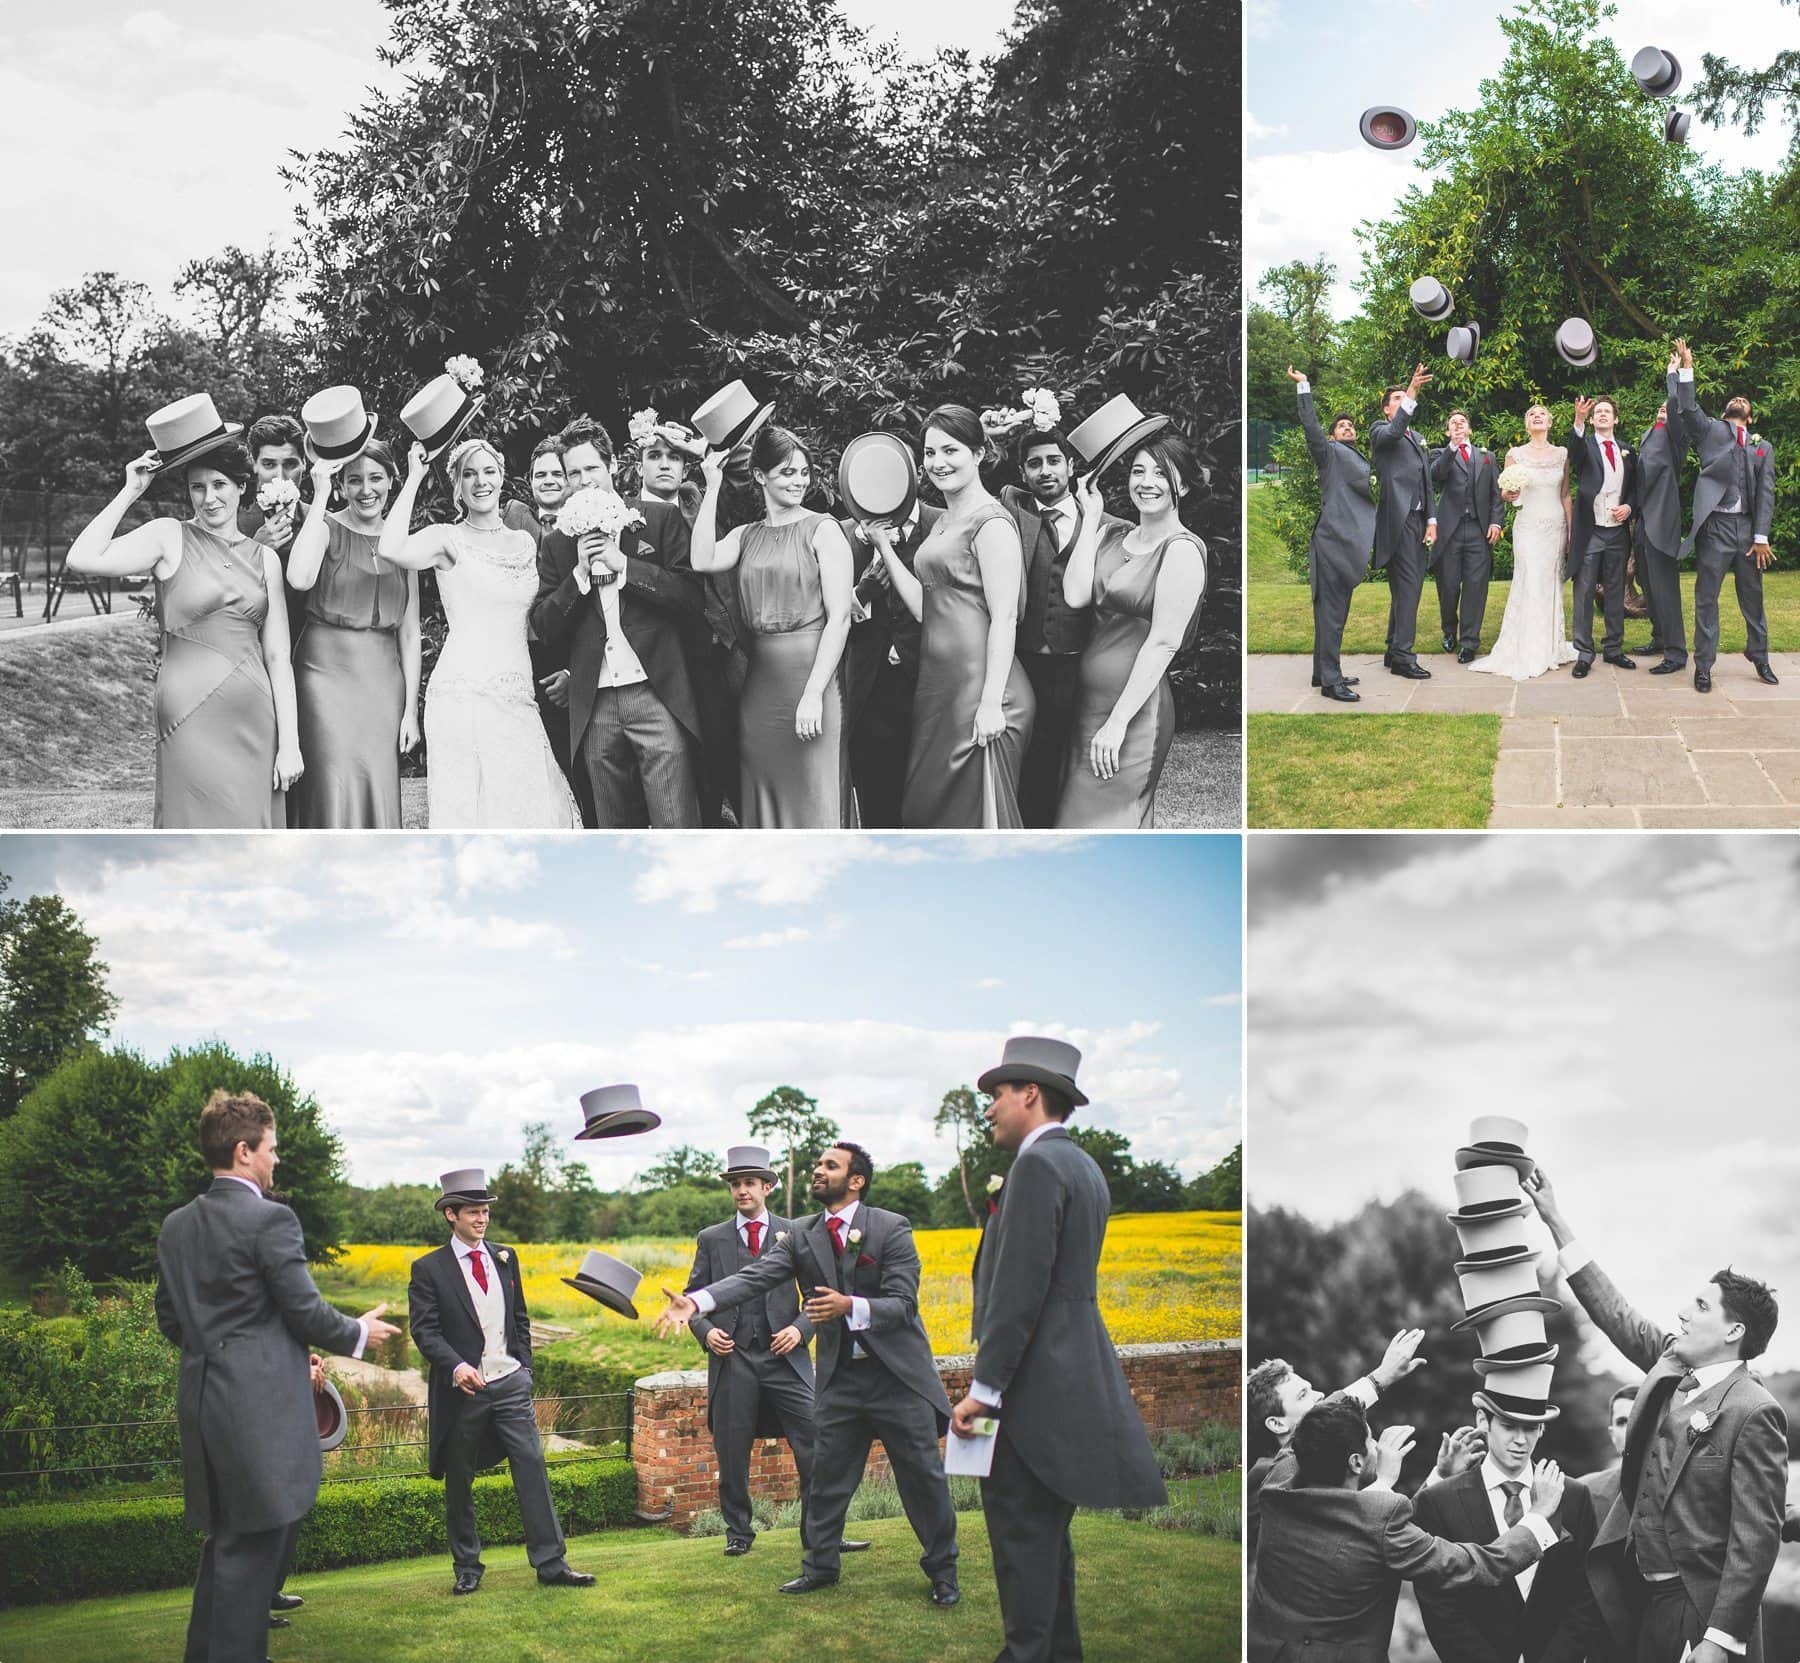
x=488 y=763
x=1532 y=638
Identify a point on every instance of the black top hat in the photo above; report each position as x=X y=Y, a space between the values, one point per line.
x=1387 y=127
x=329 y=1415
x=1656 y=71
x=465 y=1187
x=1029 y=1060
x=615 y=1112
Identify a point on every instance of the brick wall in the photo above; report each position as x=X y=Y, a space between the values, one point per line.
x=1176 y=1387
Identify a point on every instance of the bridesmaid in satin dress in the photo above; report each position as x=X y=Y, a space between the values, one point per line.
x=356 y=650
x=227 y=744
x=793 y=575
x=973 y=709
x=1144 y=583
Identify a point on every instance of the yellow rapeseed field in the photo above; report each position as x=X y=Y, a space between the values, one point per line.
x=1163 y=1276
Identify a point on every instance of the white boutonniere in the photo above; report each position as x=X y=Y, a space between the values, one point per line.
x=1698 y=1422
x=854 y=1237
x=995 y=1181
x=502 y=1254
x=781 y=1235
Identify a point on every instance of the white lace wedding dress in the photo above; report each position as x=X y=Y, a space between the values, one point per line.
x=487 y=760
x=1532 y=640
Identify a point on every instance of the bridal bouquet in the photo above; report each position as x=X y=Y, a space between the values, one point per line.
x=1513 y=477
x=464 y=371
x=593 y=508
x=1044 y=409
x=277 y=496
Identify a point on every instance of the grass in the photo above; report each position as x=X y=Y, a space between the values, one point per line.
x=1265 y=560
x=1141 y=1591
x=1435 y=772
x=75 y=711
x=1202 y=784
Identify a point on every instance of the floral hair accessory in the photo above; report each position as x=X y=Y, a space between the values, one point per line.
x=643 y=427
x=593 y=508
x=464 y=371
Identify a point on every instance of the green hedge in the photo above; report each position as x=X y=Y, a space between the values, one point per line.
x=68 y=1549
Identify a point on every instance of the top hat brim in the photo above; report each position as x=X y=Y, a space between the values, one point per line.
x=1525 y=1357
x=445 y=437
x=747 y=429
x=750 y=1172
x=463 y=1198
x=1506 y=1307
x=338 y=453
x=1122 y=446
x=1667 y=87
x=621 y=1123
x=611 y=1298
x=1026 y=1073
x=1487 y=1215
x=1409 y=129
x=1490 y=1261
x=1474 y=1154
x=863 y=511
x=223 y=435
x=1514 y=1408
x=330 y=1416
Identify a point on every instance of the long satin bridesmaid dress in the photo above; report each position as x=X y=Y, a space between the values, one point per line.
x=215 y=707
x=950 y=780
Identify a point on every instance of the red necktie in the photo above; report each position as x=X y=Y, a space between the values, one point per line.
x=836 y=1226
x=754 y=1227
x=1609 y=453
x=478 y=1270
x=1465 y=451
x=1740 y=438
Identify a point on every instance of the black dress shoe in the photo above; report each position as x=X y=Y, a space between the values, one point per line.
x=1340 y=691
x=737 y=1545
x=286 y=1602
x=1668 y=667
x=1764 y=673
x=1703 y=681
x=1449 y=645
x=1411 y=670
x=279 y=1622
x=467 y=1582
x=848 y=1546
x=1466 y=656
x=565 y=1578
x=1582 y=666
x=1621 y=661
x=945 y=1593
x=807 y=1583
x=1347 y=681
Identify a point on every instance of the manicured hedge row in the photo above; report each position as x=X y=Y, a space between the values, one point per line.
x=68 y=1549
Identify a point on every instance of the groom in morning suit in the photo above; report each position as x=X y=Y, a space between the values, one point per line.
x=622 y=613
x=1338 y=555
x=1469 y=522
x=1405 y=520
x=1070 y=1434
x=1683 y=1556
x=876 y=1378
x=1658 y=522
x=1734 y=508
x=233 y=1293
x=468 y=1318
x=1603 y=470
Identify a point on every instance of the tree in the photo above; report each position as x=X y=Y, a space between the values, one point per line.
x=963 y=1114
x=791 y=1122
x=1156 y=1187
x=903 y=1188
x=1222 y=1189
x=525 y=1194
x=394 y=1213
x=54 y=999
x=1111 y=1152
x=1752 y=95
x=1295 y=327
x=680 y=1210
x=237 y=293
x=682 y=1165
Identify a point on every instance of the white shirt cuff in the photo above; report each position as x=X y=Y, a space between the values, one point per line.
x=704 y=1299
x=1408 y=405
x=584 y=579
x=1364 y=1390
x=859 y=1313
x=1541 y=1527
x=1580 y=429
x=1719 y=1637
x=1302 y=387
x=1684 y=375
x=986 y=1394
x=363 y=1324
x=1572 y=1257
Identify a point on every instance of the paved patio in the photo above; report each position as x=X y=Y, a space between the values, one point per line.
x=1619 y=748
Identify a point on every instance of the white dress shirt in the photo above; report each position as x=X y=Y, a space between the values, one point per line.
x=490 y=1310
x=987 y=1394
x=621 y=666
x=743 y=1230
x=1493 y=1479
x=257 y=1189
x=859 y=1307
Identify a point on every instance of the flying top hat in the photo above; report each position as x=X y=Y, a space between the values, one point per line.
x=1675 y=128
x=329 y=1416
x=878 y=477
x=1430 y=299
x=1112 y=431
x=731 y=416
x=1575 y=342
x=615 y=1112
x=609 y=1280
x=1487 y=1191
x=1512 y=1338
x=748 y=1160
x=187 y=429
x=438 y=412
x=1492 y=1237
x=1463 y=342
x=1656 y=71
x=337 y=426
x=466 y=1187
x=1029 y=1060
x=1387 y=127
x=1497 y=1139
x=1519 y=1393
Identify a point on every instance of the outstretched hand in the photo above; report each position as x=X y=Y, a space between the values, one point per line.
x=678 y=1313
x=1392 y=1446
x=379 y=1330
x=1459 y=1450
x=1421 y=377
x=1582 y=407
x=1296 y=375
x=1546 y=1489
x=1400 y=1359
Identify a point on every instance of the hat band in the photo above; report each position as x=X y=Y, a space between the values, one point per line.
x=439 y=435
x=1494 y=1143
x=188 y=444
x=1487 y=1206
x=1517 y=1405
x=334 y=453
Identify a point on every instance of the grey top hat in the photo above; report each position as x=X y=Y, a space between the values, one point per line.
x=188 y=429
x=1463 y=342
x=615 y=1112
x=330 y=1416
x=1030 y=1059
x=1387 y=127
x=465 y=1187
x=748 y=1160
x=1675 y=128
x=1575 y=342
x=609 y=1280
x=1504 y=1307
x=878 y=477
x=1430 y=299
x=1515 y=1408
x=1656 y=71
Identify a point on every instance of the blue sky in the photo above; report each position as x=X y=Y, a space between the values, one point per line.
x=141 y=136
x=435 y=994
x=1314 y=67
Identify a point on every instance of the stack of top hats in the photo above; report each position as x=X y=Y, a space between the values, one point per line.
x=1497 y=1272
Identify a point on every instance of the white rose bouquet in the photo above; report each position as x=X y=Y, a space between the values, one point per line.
x=277 y=496
x=464 y=371
x=1043 y=407
x=643 y=427
x=594 y=508
x=1513 y=477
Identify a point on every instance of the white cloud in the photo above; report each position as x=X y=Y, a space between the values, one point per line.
x=150 y=30
x=1254 y=129
x=1223 y=1000
x=789 y=937
x=494 y=863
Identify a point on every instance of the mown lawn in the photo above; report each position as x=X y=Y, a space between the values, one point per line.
x=664 y=1599
x=1374 y=772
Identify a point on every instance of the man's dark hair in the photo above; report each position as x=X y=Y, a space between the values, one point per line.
x=1262 y=1390
x=1058 y=1104
x=275 y=429
x=550 y=446
x=1746 y=1300
x=231 y=1118
x=1332 y=1432
x=1610 y=401
x=1029 y=440
x=1341 y=416
x=1458 y=411
x=859 y=1162
x=1389 y=394
x=584 y=430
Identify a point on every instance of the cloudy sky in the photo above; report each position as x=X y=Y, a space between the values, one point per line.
x=1631 y=998
x=1316 y=65
x=141 y=136
x=436 y=994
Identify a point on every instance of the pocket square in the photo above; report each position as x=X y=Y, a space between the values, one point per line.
x=864 y=1259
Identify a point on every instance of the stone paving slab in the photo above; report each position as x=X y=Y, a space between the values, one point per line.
x=1608 y=773
x=1563 y=819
